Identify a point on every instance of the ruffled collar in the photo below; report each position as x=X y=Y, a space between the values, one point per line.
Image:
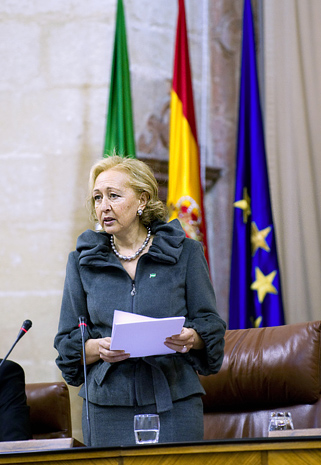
x=94 y=247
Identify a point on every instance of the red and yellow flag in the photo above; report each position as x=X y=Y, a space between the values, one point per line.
x=185 y=193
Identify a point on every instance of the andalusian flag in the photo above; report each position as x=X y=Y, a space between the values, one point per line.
x=185 y=194
x=120 y=129
x=255 y=288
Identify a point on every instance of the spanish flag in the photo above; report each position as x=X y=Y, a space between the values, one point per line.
x=185 y=193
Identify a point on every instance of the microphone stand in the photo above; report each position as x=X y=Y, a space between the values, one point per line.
x=24 y=328
x=5 y=358
x=82 y=325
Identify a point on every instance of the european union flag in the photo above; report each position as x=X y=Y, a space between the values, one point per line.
x=255 y=287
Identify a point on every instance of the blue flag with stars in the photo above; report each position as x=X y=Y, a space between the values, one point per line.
x=255 y=286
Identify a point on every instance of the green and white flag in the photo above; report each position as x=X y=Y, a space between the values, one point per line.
x=120 y=129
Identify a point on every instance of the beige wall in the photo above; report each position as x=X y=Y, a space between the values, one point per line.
x=55 y=58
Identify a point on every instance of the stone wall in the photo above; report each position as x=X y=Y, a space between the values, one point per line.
x=55 y=58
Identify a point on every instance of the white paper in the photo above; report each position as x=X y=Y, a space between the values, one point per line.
x=141 y=336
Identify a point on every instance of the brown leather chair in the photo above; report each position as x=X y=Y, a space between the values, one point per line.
x=50 y=413
x=264 y=369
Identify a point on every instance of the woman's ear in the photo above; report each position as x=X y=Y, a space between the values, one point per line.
x=143 y=199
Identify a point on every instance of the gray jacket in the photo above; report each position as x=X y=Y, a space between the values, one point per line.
x=171 y=279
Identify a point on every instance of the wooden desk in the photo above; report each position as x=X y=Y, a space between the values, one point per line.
x=265 y=451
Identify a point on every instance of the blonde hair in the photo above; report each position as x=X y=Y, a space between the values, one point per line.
x=141 y=179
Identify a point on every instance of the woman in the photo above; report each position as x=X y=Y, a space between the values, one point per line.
x=138 y=263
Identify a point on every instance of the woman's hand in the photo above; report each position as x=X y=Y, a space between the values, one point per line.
x=184 y=342
x=100 y=349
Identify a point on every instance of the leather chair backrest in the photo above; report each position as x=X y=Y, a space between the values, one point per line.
x=50 y=412
x=264 y=369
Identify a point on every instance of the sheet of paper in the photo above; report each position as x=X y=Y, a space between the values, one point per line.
x=141 y=336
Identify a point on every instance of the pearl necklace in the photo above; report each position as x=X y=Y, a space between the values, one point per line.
x=130 y=257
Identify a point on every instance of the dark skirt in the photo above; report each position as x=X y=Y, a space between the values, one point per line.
x=114 y=426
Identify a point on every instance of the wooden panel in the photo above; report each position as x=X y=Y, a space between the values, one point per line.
x=244 y=458
x=242 y=453
x=299 y=457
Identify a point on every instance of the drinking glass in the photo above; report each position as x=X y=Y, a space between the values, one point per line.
x=280 y=421
x=146 y=428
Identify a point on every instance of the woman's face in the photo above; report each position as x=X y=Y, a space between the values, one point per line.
x=116 y=203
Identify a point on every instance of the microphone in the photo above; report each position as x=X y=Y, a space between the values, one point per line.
x=83 y=325
x=26 y=325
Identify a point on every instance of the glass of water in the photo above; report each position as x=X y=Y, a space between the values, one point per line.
x=146 y=428
x=280 y=421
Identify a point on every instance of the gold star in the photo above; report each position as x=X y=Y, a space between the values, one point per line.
x=258 y=238
x=263 y=284
x=257 y=322
x=244 y=204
